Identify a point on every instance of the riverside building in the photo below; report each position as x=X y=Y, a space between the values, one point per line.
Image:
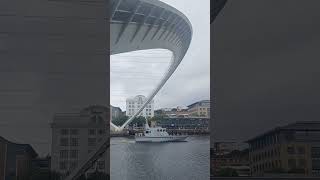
x=75 y=136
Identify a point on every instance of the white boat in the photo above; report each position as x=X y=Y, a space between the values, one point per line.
x=157 y=134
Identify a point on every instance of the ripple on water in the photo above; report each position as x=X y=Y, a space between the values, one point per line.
x=160 y=161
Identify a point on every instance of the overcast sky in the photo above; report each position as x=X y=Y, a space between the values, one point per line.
x=266 y=65
x=139 y=72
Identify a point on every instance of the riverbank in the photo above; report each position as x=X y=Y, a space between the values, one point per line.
x=170 y=131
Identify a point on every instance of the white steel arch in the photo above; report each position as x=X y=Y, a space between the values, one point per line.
x=139 y=25
x=149 y=24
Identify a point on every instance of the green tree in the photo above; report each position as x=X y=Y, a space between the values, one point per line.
x=120 y=120
x=140 y=121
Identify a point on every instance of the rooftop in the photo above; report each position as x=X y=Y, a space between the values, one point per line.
x=25 y=147
x=203 y=101
x=297 y=126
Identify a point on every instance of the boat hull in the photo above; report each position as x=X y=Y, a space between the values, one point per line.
x=161 y=139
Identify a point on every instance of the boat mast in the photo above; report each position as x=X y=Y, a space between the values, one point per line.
x=147 y=125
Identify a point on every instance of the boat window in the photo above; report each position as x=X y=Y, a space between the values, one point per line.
x=158 y=130
x=147 y=132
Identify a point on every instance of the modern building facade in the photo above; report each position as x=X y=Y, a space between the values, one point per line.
x=75 y=136
x=291 y=149
x=134 y=104
x=15 y=160
x=200 y=109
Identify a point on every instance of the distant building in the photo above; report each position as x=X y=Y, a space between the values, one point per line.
x=291 y=149
x=199 y=109
x=134 y=104
x=116 y=112
x=236 y=160
x=76 y=135
x=173 y=112
x=158 y=112
x=15 y=160
x=184 y=123
x=166 y=109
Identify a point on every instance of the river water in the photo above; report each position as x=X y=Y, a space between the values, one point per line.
x=160 y=161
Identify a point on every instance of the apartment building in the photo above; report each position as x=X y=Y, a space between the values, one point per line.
x=134 y=104
x=76 y=135
x=200 y=109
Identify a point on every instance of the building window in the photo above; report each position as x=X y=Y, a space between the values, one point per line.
x=301 y=163
x=316 y=164
x=74 y=142
x=315 y=152
x=290 y=150
x=292 y=163
x=64 y=142
x=63 y=165
x=92 y=132
x=74 y=131
x=64 y=132
x=101 y=165
x=73 y=165
x=64 y=154
x=74 y=154
x=301 y=150
x=92 y=141
x=102 y=131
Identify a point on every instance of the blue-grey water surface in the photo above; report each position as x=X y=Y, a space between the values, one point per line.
x=160 y=161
